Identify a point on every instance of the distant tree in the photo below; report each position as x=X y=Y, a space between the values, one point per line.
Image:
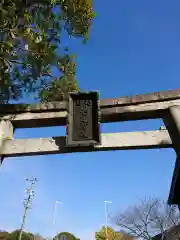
x=69 y=236
x=15 y=234
x=111 y=234
x=3 y=235
x=30 y=234
x=101 y=235
x=149 y=218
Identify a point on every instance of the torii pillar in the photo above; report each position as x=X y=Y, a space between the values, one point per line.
x=6 y=132
x=172 y=122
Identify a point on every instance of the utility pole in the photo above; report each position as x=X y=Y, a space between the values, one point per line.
x=27 y=203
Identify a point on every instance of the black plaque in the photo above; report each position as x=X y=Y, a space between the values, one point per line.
x=83 y=119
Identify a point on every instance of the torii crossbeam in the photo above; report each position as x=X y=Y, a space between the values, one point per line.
x=164 y=105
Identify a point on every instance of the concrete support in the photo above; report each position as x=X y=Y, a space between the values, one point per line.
x=172 y=122
x=6 y=132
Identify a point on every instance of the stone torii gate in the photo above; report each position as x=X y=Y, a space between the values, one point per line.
x=164 y=105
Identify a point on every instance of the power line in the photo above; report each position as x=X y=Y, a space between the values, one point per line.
x=27 y=203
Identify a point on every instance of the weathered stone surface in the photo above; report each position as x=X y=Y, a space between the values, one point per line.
x=6 y=133
x=122 y=101
x=39 y=107
x=143 y=98
x=110 y=141
x=108 y=114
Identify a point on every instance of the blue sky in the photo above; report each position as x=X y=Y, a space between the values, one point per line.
x=134 y=48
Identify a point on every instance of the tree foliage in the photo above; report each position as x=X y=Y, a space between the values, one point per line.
x=149 y=218
x=58 y=88
x=111 y=234
x=15 y=234
x=69 y=236
x=3 y=235
x=30 y=45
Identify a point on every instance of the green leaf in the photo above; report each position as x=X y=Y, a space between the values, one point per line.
x=41 y=28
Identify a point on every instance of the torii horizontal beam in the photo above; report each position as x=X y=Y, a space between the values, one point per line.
x=144 y=106
x=110 y=141
x=165 y=105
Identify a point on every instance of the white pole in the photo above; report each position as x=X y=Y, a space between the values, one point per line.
x=106 y=217
x=55 y=210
